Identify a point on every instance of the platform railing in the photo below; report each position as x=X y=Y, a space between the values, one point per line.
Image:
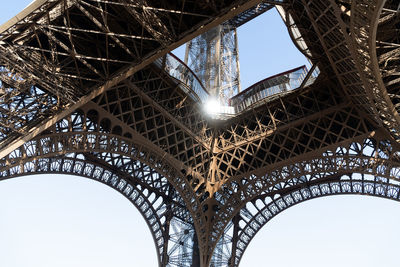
x=273 y=86
x=177 y=69
x=277 y=84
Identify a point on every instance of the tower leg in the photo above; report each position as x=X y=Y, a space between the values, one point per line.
x=234 y=240
x=195 y=252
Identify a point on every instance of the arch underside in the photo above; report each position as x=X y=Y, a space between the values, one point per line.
x=366 y=154
x=122 y=163
x=363 y=31
x=260 y=211
x=150 y=142
x=258 y=198
x=157 y=201
x=171 y=228
x=347 y=33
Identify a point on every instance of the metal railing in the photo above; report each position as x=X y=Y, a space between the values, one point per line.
x=273 y=86
x=177 y=69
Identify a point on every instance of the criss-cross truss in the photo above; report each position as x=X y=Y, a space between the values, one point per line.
x=87 y=88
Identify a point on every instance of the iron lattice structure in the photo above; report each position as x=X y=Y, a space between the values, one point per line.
x=214 y=55
x=87 y=88
x=214 y=58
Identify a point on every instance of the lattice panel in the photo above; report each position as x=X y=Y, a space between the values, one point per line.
x=367 y=156
x=152 y=207
x=388 y=50
x=260 y=211
x=182 y=244
x=204 y=188
x=292 y=126
x=168 y=94
x=278 y=113
x=155 y=197
x=89 y=40
x=158 y=111
x=334 y=41
x=298 y=140
x=77 y=49
x=296 y=17
x=21 y=109
x=364 y=22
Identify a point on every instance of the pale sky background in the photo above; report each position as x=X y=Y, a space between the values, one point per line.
x=58 y=220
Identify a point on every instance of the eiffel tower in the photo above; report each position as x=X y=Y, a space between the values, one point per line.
x=88 y=88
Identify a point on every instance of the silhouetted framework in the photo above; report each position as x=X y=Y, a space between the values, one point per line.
x=87 y=88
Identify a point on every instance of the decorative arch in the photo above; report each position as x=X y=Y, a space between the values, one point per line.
x=82 y=132
x=261 y=210
x=150 y=205
x=80 y=145
x=109 y=148
x=367 y=156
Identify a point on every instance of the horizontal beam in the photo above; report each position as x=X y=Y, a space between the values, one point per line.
x=22 y=15
x=122 y=75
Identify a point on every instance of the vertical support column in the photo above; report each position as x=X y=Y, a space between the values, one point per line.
x=213 y=57
x=188 y=46
x=235 y=221
x=217 y=62
x=181 y=244
x=167 y=225
x=236 y=53
x=195 y=252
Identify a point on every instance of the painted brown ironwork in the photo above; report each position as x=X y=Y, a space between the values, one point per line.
x=263 y=209
x=90 y=46
x=87 y=88
x=86 y=153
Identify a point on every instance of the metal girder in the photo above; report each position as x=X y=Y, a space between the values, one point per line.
x=252 y=13
x=261 y=210
x=204 y=186
x=154 y=106
x=47 y=14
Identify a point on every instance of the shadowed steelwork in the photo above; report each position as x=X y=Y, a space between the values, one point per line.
x=87 y=87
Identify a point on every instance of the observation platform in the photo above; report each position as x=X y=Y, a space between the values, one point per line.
x=263 y=91
x=88 y=88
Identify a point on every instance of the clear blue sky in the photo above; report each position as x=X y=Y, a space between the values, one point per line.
x=57 y=221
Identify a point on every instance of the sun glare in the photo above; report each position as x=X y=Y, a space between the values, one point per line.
x=212 y=106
